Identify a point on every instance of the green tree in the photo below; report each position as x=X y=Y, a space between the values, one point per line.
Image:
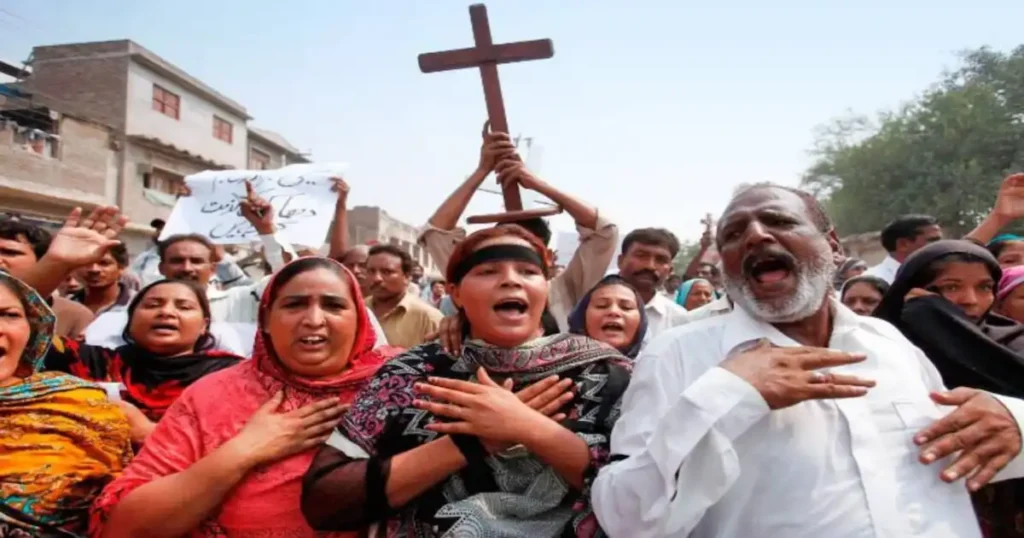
x=687 y=250
x=943 y=153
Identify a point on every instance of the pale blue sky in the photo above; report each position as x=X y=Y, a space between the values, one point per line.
x=653 y=112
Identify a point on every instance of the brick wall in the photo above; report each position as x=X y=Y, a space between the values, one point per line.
x=89 y=80
x=82 y=165
x=136 y=205
x=866 y=246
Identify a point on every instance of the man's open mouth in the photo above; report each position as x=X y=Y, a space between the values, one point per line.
x=770 y=267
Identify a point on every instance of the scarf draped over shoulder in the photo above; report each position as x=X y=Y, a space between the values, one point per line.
x=503 y=496
x=61 y=441
x=265 y=504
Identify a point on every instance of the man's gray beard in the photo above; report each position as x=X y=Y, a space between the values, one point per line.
x=814 y=282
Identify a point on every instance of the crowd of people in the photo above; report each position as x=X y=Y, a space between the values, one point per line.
x=788 y=390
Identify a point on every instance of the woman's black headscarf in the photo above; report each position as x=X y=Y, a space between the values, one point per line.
x=983 y=354
x=578 y=316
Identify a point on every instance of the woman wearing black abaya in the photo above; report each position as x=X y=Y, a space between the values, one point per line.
x=941 y=300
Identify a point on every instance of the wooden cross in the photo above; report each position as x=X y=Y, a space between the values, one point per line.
x=708 y=222
x=486 y=56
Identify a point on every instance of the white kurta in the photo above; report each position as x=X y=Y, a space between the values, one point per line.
x=705 y=457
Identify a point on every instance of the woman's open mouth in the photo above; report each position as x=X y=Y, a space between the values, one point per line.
x=312 y=342
x=163 y=329
x=511 y=309
x=613 y=327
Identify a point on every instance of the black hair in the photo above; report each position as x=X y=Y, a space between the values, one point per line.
x=879 y=284
x=396 y=252
x=658 y=237
x=206 y=340
x=904 y=227
x=819 y=216
x=714 y=268
x=538 y=227
x=302 y=265
x=929 y=273
x=120 y=254
x=19 y=230
x=162 y=246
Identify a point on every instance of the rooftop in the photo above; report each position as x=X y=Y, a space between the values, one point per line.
x=140 y=54
x=270 y=137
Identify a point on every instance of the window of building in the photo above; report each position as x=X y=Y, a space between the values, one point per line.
x=166 y=102
x=161 y=181
x=222 y=129
x=258 y=160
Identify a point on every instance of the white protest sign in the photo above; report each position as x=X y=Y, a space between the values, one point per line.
x=300 y=195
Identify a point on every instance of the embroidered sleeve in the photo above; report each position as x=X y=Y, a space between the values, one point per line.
x=600 y=388
x=77 y=358
x=344 y=488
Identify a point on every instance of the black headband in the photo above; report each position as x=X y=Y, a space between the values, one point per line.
x=494 y=253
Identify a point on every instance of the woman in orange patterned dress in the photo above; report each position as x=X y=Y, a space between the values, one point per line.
x=61 y=440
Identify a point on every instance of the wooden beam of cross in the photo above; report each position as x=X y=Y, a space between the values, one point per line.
x=486 y=56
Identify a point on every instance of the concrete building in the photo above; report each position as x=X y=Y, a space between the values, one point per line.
x=52 y=162
x=374 y=225
x=866 y=246
x=116 y=124
x=165 y=124
x=269 y=150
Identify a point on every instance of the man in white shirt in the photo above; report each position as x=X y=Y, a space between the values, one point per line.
x=646 y=262
x=145 y=265
x=901 y=238
x=743 y=425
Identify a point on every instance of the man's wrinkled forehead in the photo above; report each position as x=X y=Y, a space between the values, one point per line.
x=757 y=199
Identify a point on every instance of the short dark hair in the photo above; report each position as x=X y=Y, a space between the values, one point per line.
x=538 y=227
x=905 y=227
x=162 y=246
x=714 y=268
x=19 y=230
x=120 y=254
x=396 y=252
x=819 y=216
x=658 y=237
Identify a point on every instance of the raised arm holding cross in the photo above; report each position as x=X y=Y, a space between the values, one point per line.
x=486 y=56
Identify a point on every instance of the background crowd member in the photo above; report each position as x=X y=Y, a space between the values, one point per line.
x=168 y=346
x=901 y=238
x=942 y=301
x=103 y=285
x=62 y=440
x=849 y=268
x=645 y=262
x=611 y=313
x=695 y=293
x=145 y=265
x=863 y=293
x=21 y=246
x=229 y=457
x=671 y=286
x=406 y=319
x=1010 y=298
